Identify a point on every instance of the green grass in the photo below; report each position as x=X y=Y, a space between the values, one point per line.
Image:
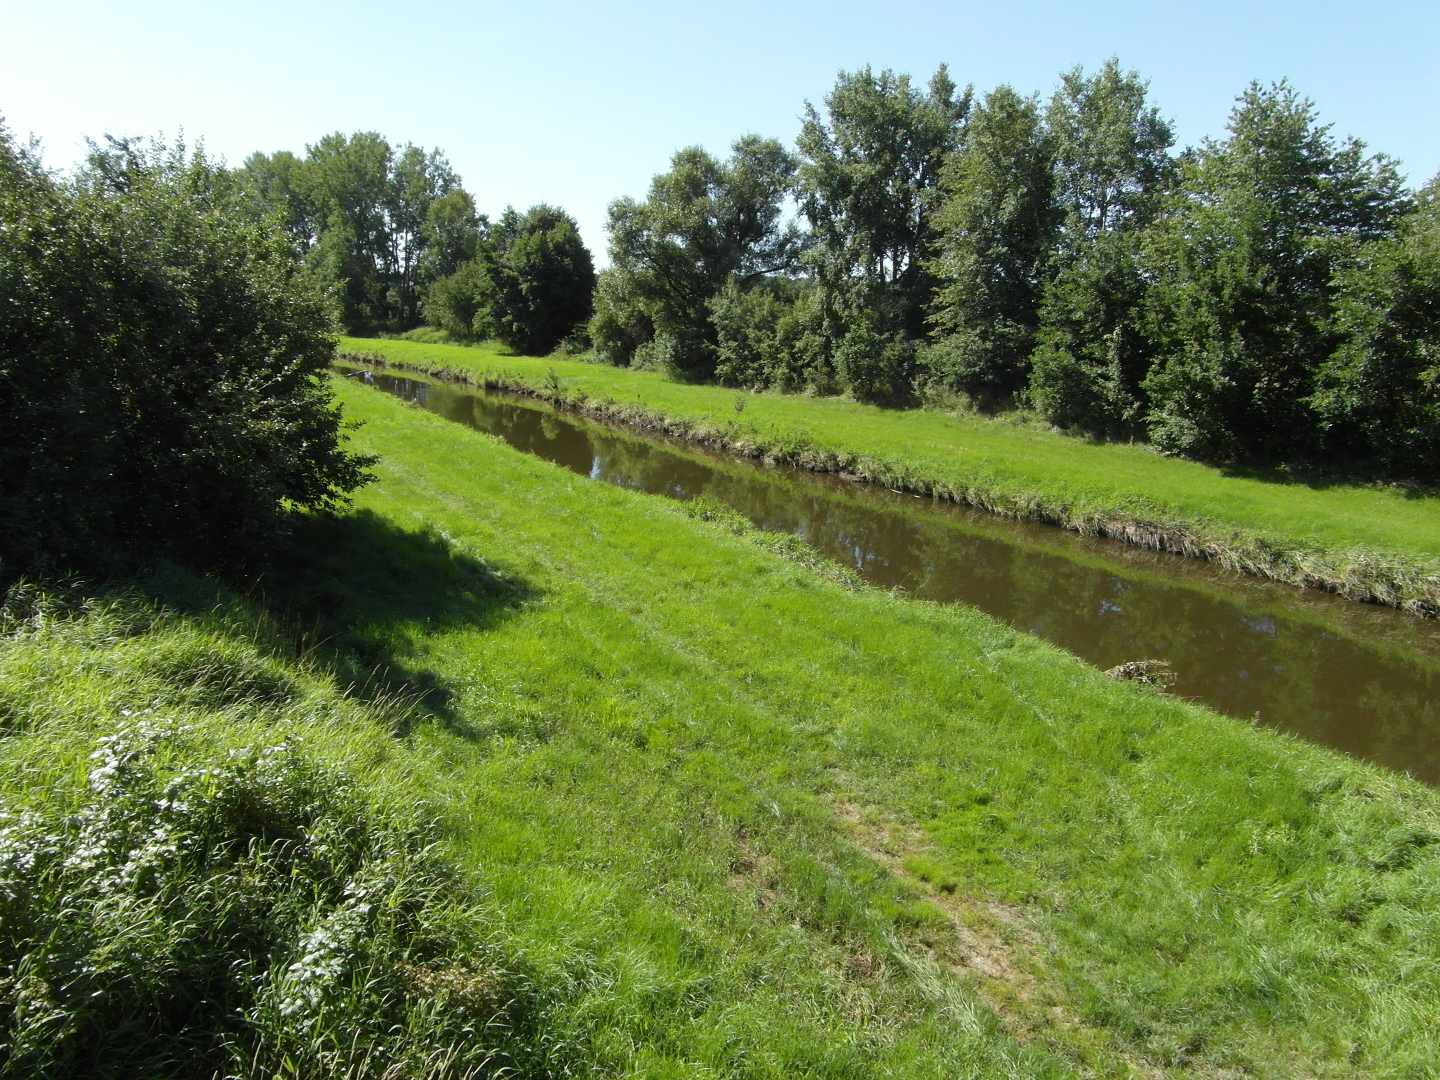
x=708 y=812
x=1366 y=541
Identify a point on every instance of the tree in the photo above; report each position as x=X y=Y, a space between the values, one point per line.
x=540 y=281
x=705 y=223
x=459 y=303
x=1246 y=266
x=530 y=283
x=161 y=363
x=375 y=224
x=867 y=185
x=1112 y=172
x=277 y=183
x=1378 y=395
x=997 y=223
x=451 y=234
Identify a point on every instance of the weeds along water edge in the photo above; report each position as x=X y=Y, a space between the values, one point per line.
x=1386 y=578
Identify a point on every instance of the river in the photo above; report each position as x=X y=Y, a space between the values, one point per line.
x=1357 y=677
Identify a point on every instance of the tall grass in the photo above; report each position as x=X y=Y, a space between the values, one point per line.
x=201 y=874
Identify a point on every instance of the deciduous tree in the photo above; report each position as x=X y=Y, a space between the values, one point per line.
x=868 y=187
x=706 y=222
x=997 y=225
x=1378 y=395
x=1112 y=172
x=1246 y=268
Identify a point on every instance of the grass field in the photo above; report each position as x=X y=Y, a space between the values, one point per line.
x=1370 y=542
x=707 y=812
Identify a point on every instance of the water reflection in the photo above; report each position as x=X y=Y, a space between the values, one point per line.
x=1355 y=677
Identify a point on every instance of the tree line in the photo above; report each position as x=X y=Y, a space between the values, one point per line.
x=397 y=241
x=1269 y=296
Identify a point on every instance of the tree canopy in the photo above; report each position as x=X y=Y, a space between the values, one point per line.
x=868 y=187
x=1245 y=264
x=1263 y=297
x=706 y=222
x=539 y=281
x=374 y=223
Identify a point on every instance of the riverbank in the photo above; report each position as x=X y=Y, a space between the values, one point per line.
x=706 y=811
x=1366 y=543
x=1308 y=663
x=943 y=810
x=1112 y=875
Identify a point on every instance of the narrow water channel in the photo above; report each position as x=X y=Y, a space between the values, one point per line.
x=1359 y=678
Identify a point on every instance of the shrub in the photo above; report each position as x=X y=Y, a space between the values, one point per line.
x=532 y=285
x=161 y=368
x=621 y=322
x=195 y=912
x=457 y=304
x=766 y=336
x=1092 y=351
x=705 y=223
x=541 y=282
x=876 y=367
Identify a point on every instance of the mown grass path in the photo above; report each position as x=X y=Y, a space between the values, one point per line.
x=1368 y=541
x=831 y=831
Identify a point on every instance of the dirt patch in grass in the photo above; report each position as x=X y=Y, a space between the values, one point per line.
x=996 y=947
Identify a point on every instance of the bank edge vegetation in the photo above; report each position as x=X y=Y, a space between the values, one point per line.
x=504 y=772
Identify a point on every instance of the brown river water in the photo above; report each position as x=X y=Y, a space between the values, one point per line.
x=1356 y=677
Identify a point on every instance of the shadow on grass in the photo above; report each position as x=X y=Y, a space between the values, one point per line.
x=357 y=590
x=1319 y=477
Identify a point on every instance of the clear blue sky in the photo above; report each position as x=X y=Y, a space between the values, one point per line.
x=577 y=103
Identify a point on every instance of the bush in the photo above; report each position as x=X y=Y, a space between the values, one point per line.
x=766 y=336
x=233 y=893
x=161 y=368
x=532 y=287
x=707 y=222
x=457 y=304
x=1092 y=352
x=876 y=367
x=621 y=323
x=964 y=362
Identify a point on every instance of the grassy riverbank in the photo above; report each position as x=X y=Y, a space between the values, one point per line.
x=1365 y=542
x=701 y=810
